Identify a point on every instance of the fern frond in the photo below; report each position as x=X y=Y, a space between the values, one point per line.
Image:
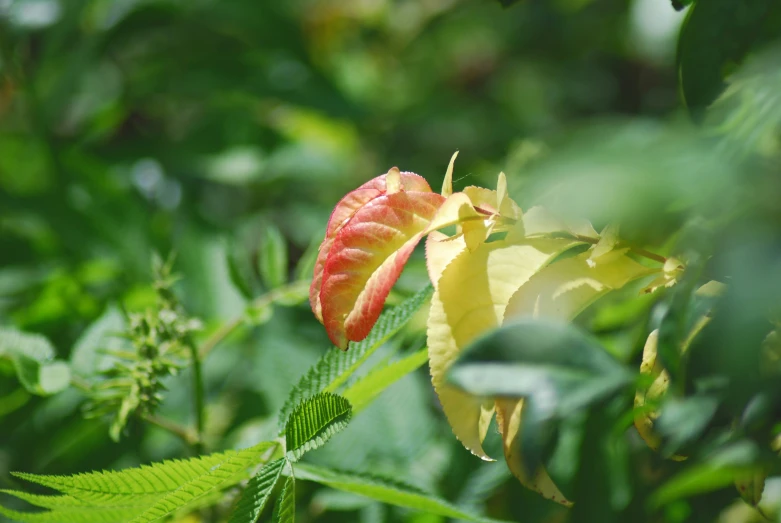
x=386 y=491
x=363 y=391
x=206 y=481
x=285 y=511
x=139 y=494
x=257 y=493
x=314 y=421
x=335 y=367
x=43 y=501
x=72 y=515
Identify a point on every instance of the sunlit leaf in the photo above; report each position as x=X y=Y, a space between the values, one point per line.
x=473 y=292
x=366 y=255
x=341 y=216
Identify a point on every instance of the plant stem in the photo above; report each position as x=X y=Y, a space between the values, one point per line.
x=200 y=403
x=187 y=435
x=588 y=239
x=640 y=252
x=262 y=301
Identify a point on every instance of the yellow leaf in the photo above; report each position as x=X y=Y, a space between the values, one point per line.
x=539 y=220
x=560 y=290
x=508 y=418
x=671 y=273
x=567 y=287
x=447 y=184
x=470 y=298
x=440 y=251
x=645 y=414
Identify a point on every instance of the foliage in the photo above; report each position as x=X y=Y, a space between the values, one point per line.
x=603 y=314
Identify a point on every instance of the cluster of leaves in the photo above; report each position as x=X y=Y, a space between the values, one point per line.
x=313 y=415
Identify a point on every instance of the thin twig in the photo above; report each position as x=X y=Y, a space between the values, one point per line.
x=637 y=250
x=186 y=434
x=588 y=239
x=200 y=401
x=262 y=301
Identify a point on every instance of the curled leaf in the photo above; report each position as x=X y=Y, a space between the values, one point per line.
x=369 y=238
x=344 y=211
x=367 y=258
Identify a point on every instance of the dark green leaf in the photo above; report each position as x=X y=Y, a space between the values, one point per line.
x=682 y=421
x=716 y=35
x=386 y=491
x=718 y=471
x=285 y=509
x=257 y=493
x=553 y=364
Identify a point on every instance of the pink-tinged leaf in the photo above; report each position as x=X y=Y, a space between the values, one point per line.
x=367 y=257
x=345 y=210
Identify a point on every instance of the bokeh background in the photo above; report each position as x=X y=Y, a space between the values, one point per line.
x=129 y=127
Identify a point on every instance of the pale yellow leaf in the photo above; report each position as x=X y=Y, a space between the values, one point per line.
x=440 y=251
x=539 y=220
x=508 y=419
x=470 y=299
x=447 y=184
x=565 y=288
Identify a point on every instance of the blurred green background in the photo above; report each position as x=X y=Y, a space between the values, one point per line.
x=129 y=127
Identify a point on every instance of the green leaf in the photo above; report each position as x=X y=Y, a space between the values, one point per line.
x=206 y=481
x=285 y=510
x=335 y=367
x=257 y=493
x=72 y=515
x=716 y=35
x=314 y=421
x=273 y=258
x=363 y=391
x=32 y=356
x=386 y=491
x=748 y=112
x=719 y=470
x=682 y=421
x=150 y=492
x=554 y=364
x=306 y=264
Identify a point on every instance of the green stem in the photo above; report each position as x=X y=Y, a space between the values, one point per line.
x=200 y=403
x=262 y=301
x=637 y=250
x=588 y=239
x=187 y=435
